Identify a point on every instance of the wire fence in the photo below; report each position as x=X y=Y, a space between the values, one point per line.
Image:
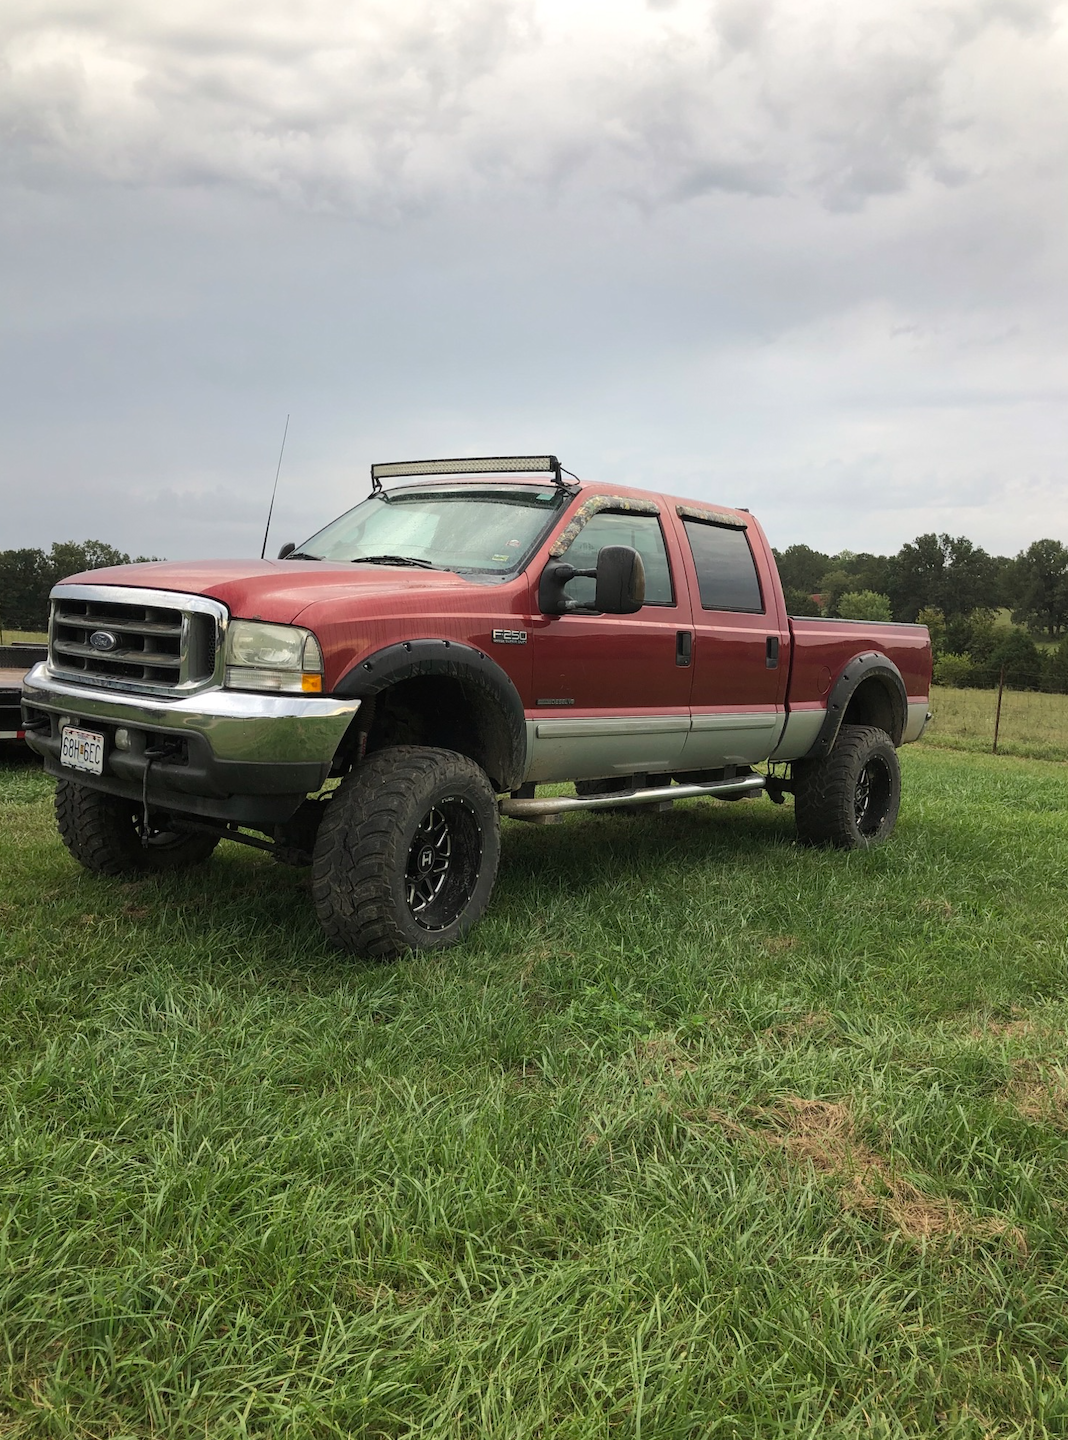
x=1031 y=724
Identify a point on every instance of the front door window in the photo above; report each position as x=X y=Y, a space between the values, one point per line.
x=641 y=533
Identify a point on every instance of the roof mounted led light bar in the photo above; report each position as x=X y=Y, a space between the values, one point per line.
x=478 y=465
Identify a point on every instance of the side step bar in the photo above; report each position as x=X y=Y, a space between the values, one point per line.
x=564 y=804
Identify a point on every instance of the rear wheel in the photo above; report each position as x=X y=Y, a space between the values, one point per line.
x=107 y=834
x=850 y=799
x=407 y=853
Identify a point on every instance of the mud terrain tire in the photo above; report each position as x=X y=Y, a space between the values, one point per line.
x=851 y=798
x=103 y=833
x=407 y=853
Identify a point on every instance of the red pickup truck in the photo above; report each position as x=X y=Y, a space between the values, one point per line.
x=468 y=633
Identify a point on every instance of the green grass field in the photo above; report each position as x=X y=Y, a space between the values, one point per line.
x=1033 y=725
x=700 y=1134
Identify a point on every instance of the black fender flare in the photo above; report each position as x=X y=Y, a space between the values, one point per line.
x=490 y=689
x=872 y=665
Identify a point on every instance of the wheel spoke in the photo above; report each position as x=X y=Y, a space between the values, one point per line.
x=872 y=796
x=443 y=864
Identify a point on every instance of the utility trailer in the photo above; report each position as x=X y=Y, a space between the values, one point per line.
x=15 y=661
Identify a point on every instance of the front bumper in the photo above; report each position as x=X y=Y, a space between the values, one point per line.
x=224 y=754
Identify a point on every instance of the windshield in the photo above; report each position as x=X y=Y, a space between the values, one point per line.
x=493 y=531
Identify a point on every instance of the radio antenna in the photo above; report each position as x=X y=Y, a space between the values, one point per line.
x=274 y=492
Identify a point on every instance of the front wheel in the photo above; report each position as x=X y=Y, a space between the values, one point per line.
x=107 y=834
x=850 y=799
x=407 y=853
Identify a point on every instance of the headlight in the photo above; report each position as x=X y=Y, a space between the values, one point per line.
x=272 y=657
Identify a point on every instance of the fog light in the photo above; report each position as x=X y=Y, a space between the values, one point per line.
x=122 y=739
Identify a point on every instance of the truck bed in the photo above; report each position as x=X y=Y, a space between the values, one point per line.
x=819 y=648
x=819 y=645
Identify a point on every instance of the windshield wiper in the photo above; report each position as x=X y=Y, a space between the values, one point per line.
x=392 y=560
x=302 y=555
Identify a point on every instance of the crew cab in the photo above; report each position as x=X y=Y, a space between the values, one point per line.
x=372 y=702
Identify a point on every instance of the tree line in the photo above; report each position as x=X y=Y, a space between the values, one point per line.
x=957 y=590
x=26 y=577
x=942 y=581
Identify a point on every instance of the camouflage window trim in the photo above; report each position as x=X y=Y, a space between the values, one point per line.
x=727 y=518
x=593 y=506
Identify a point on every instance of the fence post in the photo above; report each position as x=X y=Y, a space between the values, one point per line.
x=997 y=714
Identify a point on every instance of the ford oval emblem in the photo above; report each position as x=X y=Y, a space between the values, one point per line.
x=103 y=640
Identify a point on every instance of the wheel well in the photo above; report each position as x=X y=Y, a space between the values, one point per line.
x=873 y=703
x=446 y=712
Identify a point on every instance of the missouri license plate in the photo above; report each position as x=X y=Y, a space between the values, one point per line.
x=82 y=750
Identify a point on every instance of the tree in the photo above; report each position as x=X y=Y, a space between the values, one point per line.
x=832 y=587
x=26 y=577
x=1019 y=656
x=1037 y=582
x=869 y=572
x=864 y=605
x=1055 y=676
x=800 y=568
x=800 y=602
x=936 y=624
x=69 y=557
x=945 y=572
x=25 y=580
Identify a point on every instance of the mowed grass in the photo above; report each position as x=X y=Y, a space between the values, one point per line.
x=1033 y=725
x=700 y=1134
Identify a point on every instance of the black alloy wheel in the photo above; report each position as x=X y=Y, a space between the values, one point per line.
x=871 y=800
x=444 y=861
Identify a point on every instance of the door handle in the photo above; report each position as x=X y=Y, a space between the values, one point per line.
x=683 y=647
x=771 y=652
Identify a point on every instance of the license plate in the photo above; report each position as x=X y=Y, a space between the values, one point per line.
x=82 y=750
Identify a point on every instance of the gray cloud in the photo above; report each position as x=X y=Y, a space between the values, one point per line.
x=375 y=109
x=795 y=254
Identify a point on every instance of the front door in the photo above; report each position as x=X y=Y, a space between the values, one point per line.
x=611 y=692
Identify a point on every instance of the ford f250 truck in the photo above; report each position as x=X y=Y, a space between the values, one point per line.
x=473 y=630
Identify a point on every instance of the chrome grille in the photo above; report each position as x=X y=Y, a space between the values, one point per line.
x=134 y=639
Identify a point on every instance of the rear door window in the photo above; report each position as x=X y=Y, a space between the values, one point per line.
x=726 y=571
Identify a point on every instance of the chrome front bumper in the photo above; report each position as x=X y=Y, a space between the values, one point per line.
x=237 y=725
x=225 y=755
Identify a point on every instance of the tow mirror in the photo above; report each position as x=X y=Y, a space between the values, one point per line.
x=620 y=581
x=287 y=549
x=620 y=577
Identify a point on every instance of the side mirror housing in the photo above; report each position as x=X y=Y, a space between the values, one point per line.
x=287 y=549
x=620 y=581
x=620 y=577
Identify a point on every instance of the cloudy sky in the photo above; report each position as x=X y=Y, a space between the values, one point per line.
x=806 y=256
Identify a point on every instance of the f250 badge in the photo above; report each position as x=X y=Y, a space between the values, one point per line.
x=509 y=637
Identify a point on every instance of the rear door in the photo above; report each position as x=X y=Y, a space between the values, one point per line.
x=612 y=692
x=739 y=671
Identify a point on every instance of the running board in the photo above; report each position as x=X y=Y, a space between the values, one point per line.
x=564 y=804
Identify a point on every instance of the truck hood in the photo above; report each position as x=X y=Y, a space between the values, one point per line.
x=275 y=590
